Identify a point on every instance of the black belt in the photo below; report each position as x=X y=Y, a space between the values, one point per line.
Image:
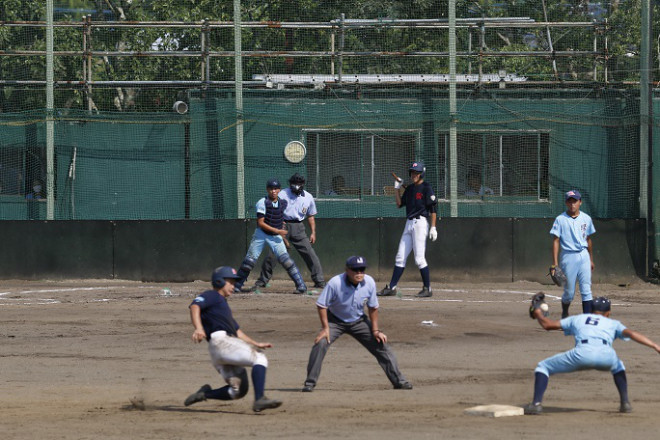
x=293 y=221
x=417 y=217
x=586 y=341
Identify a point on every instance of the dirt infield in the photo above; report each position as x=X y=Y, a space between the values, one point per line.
x=74 y=353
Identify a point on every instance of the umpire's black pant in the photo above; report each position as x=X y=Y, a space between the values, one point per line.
x=361 y=331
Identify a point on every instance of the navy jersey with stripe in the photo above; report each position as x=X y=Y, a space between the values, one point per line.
x=419 y=200
x=215 y=313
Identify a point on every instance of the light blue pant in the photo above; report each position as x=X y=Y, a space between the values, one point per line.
x=576 y=267
x=260 y=238
x=591 y=356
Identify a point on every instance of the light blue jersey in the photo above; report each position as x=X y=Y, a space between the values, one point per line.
x=593 y=335
x=572 y=232
x=298 y=207
x=574 y=258
x=346 y=301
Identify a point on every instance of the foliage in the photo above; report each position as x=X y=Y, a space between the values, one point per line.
x=623 y=37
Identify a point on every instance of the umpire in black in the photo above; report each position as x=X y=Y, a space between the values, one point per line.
x=300 y=205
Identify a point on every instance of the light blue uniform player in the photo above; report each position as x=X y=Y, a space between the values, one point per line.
x=270 y=230
x=594 y=334
x=572 y=230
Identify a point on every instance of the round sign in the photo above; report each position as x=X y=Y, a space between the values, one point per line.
x=295 y=151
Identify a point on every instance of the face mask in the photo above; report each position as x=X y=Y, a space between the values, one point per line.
x=36 y=188
x=297 y=189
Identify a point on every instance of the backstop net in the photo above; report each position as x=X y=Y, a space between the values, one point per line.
x=183 y=110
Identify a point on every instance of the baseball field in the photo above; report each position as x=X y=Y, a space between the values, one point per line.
x=91 y=359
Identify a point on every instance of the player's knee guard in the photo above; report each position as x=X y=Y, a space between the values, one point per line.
x=291 y=268
x=239 y=385
x=244 y=271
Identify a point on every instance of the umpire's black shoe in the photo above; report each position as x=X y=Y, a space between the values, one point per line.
x=387 y=291
x=265 y=403
x=199 y=396
x=534 y=409
x=625 y=407
x=403 y=386
x=424 y=293
x=308 y=388
x=319 y=284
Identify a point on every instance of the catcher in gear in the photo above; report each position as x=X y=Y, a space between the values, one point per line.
x=594 y=334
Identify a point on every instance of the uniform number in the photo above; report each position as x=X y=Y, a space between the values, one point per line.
x=591 y=321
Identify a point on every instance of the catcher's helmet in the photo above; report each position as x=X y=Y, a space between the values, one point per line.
x=418 y=167
x=222 y=273
x=296 y=183
x=273 y=183
x=602 y=304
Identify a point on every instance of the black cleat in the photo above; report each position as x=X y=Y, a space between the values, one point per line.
x=625 y=407
x=199 y=396
x=403 y=386
x=424 y=293
x=319 y=284
x=265 y=403
x=387 y=291
x=534 y=409
x=308 y=388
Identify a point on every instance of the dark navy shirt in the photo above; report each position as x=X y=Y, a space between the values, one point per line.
x=419 y=200
x=216 y=314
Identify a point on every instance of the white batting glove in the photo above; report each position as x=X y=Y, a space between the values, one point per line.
x=433 y=234
x=398 y=183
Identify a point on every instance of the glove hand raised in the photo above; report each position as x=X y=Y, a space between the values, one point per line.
x=433 y=234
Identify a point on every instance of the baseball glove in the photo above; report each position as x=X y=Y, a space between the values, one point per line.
x=537 y=301
x=558 y=276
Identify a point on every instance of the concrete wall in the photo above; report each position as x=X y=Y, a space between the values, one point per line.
x=467 y=249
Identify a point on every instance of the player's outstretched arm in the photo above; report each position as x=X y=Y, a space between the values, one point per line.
x=546 y=323
x=249 y=340
x=641 y=339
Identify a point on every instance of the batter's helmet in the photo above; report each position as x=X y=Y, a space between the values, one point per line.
x=602 y=304
x=418 y=167
x=222 y=273
x=273 y=183
x=296 y=183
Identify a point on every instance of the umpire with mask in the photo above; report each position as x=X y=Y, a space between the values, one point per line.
x=300 y=205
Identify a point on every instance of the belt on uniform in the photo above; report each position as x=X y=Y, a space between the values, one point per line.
x=293 y=221
x=417 y=217
x=586 y=341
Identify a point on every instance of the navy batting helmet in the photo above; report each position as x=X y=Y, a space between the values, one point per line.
x=418 y=167
x=222 y=273
x=602 y=304
x=273 y=183
x=296 y=183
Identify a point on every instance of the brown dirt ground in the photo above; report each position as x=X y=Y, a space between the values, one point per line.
x=73 y=354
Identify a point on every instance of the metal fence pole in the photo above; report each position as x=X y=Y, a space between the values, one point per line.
x=240 y=154
x=50 y=122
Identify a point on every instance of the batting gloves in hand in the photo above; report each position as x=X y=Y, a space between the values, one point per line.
x=397 y=183
x=433 y=233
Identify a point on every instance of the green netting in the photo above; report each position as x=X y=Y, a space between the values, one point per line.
x=547 y=100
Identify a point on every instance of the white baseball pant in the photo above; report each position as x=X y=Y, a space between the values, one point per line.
x=413 y=239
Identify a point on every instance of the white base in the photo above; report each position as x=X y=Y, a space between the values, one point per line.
x=495 y=411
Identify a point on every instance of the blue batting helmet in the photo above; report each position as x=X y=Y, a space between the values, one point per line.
x=418 y=167
x=222 y=273
x=273 y=183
